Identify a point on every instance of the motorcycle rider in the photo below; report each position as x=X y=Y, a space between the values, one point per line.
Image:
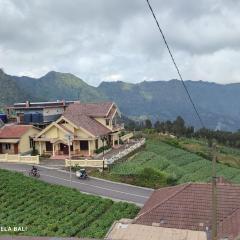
x=34 y=170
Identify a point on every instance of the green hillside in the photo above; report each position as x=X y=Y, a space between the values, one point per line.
x=10 y=91
x=55 y=85
x=164 y=100
x=51 y=210
x=161 y=164
x=225 y=155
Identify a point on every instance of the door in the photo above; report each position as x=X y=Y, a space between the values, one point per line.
x=0 y=148
x=49 y=147
x=16 y=148
x=83 y=145
x=64 y=148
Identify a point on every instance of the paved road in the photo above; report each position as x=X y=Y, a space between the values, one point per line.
x=95 y=186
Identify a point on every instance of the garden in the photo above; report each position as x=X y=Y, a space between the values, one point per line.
x=162 y=164
x=51 y=210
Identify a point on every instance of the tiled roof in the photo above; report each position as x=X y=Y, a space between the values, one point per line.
x=13 y=131
x=82 y=115
x=189 y=206
x=100 y=109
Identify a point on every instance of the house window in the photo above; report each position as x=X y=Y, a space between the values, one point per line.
x=96 y=144
x=107 y=122
x=31 y=142
x=49 y=147
x=83 y=145
x=7 y=146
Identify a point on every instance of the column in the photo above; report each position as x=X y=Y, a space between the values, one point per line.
x=113 y=140
x=89 y=148
x=53 y=147
x=40 y=147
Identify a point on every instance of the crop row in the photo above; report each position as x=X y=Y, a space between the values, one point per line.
x=50 y=210
x=181 y=164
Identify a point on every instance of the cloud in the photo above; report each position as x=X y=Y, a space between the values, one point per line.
x=111 y=40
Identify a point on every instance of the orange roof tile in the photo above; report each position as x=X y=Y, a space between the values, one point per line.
x=82 y=115
x=189 y=206
x=13 y=131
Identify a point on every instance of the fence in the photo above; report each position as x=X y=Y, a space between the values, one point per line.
x=126 y=137
x=125 y=152
x=17 y=158
x=86 y=163
x=106 y=162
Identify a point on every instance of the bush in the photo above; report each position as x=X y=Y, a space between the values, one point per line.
x=149 y=177
x=34 y=152
x=101 y=149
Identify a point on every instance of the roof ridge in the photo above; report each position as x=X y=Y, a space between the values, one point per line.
x=184 y=186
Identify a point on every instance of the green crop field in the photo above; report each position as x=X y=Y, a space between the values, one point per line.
x=170 y=161
x=51 y=210
x=226 y=155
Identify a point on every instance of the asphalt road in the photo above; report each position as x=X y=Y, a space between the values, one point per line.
x=95 y=186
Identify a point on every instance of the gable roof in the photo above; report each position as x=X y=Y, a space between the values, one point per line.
x=54 y=124
x=13 y=131
x=188 y=206
x=82 y=115
x=100 y=109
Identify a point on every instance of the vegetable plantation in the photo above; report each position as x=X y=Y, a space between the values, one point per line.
x=52 y=210
x=177 y=163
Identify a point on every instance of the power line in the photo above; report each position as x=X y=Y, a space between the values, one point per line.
x=175 y=65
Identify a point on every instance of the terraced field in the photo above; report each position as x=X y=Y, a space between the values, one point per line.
x=178 y=163
x=50 y=210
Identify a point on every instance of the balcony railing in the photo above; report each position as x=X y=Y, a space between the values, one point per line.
x=118 y=127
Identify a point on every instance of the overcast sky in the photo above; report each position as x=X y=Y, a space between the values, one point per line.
x=109 y=40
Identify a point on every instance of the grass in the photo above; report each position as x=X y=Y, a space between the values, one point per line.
x=52 y=210
x=166 y=164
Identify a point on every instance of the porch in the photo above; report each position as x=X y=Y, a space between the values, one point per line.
x=59 y=148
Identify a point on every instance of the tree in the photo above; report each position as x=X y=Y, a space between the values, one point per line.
x=157 y=125
x=148 y=123
x=179 y=127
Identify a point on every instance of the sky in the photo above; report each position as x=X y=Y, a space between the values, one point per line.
x=111 y=40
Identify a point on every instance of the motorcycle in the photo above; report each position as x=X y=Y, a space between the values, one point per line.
x=81 y=174
x=34 y=173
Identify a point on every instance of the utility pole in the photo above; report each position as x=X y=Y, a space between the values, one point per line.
x=103 y=141
x=214 y=193
x=69 y=139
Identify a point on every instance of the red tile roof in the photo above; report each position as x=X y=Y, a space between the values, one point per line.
x=13 y=131
x=92 y=109
x=82 y=115
x=188 y=206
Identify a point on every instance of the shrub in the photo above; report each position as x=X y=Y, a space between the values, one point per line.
x=101 y=149
x=34 y=152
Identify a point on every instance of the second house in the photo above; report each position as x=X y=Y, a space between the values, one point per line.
x=90 y=126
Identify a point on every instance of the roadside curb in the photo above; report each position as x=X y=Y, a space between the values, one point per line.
x=120 y=183
x=100 y=179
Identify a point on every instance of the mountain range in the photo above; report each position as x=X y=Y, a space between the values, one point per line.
x=218 y=104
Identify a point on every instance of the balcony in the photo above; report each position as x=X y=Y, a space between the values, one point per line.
x=118 y=127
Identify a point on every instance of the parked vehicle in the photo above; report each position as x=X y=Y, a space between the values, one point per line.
x=81 y=174
x=34 y=172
